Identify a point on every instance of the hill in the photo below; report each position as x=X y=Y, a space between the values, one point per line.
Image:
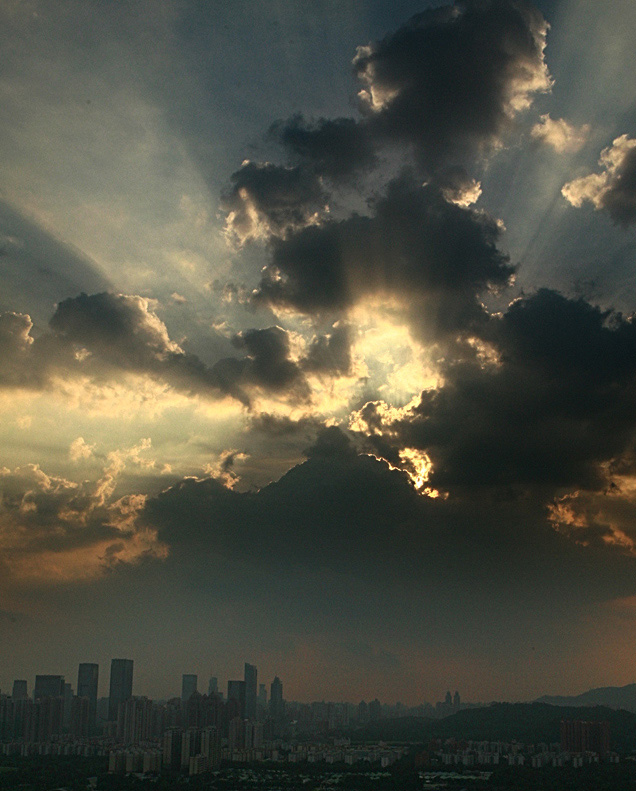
x=525 y=722
x=612 y=697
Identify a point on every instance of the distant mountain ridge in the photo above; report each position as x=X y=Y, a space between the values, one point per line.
x=530 y=723
x=612 y=697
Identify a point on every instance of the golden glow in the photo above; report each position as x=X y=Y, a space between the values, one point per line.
x=398 y=364
x=387 y=414
x=611 y=515
x=55 y=530
x=417 y=464
x=82 y=563
x=223 y=468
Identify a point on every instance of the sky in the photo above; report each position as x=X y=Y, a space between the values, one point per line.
x=317 y=344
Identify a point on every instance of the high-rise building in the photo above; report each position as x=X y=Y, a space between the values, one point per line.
x=580 y=736
x=87 y=679
x=48 y=687
x=135 y=721
x=121 y=683
x=250 y=677
x=19 y=689
x=172 y=748
x=68 y=700
x=276 y=704
x=213 y=686
x=375 y=710
x=188 y=686
x=236 y=693
x=262 y=696
x=46 y=719
x=80 y=716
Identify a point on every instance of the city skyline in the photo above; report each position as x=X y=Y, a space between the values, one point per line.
x=123 y=675
x=317 y=343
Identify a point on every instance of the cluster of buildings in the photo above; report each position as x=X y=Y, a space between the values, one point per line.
x=196 y=751
x=582 y=742
x=55 y=712
x=192 y=732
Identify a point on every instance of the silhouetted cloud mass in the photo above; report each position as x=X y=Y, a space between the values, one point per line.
x=452 y=79
x=416 y=247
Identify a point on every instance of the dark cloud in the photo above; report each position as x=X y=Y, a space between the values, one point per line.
x=268 y=364
x=417 y=247
x=283 y=426
x=334 y=148
x=330 y=354
x=271 y=200
x=551 y=408
x=101 y=335
x=122 y=332
x=446 y=86
x=313 y=513
x=450 y=81
x=340 y=512
x=331 y=443
x=117 y=326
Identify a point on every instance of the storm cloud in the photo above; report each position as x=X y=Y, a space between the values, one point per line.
x=416 y=247
x=551 y=408
x=451 y=80
x=271 y=200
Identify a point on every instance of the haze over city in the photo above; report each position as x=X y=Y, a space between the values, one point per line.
x=317 y=345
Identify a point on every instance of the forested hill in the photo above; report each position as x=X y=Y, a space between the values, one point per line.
x=524 y=722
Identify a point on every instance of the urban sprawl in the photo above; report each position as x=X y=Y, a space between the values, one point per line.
x=197 y=731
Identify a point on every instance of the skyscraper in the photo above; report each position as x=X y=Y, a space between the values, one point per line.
x=213 y=686
x=48 y=687
x=276 y=704
x=68 y=699
x=250 y=691
x=87 y=679
x=236 y=693
x=121 y=681
x=188 y=686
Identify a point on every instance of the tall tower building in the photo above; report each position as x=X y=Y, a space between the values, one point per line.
x=68 y=700
x=188 y=686
x=276 y=704
x=87 y=678
x=236 y=693
x=121 y=682
x=213 y=686
x=251 y=688
x=80 y=714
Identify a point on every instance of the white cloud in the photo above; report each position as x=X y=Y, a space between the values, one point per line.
x=561 y=135
x=597 y=187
